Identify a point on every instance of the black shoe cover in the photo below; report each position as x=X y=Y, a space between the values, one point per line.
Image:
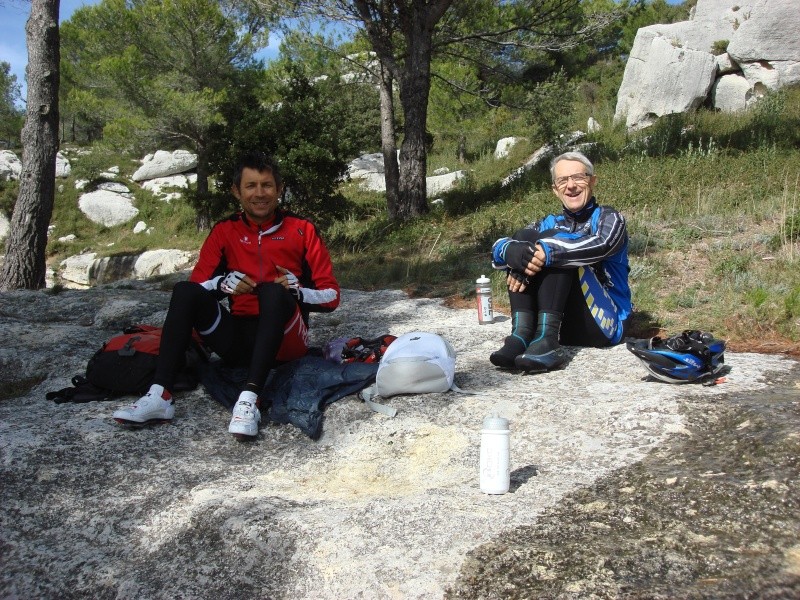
x=504 y=358
x=540 y=363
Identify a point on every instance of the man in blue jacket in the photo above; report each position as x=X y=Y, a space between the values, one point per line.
x=567 y=275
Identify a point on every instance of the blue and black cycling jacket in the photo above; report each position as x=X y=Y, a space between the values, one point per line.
x=596 y=238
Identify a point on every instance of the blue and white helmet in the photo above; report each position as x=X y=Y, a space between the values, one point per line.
x=690 y=356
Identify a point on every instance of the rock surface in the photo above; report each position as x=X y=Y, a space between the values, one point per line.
x=87 y=269
x=378 y=507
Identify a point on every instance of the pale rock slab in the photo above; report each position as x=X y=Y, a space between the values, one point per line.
x=107 y=208
x=63 y=166
x=10 y=165
x=5 y=226
x=159 y=184
x=377 y=508
x=767 y=44
x=504 y=146
x=662 y=78
x=732 y=93
x=164 y=164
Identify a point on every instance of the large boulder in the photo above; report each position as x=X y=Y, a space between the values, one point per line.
x=767 y=45
x=677 y=67
x=661 y=78
x=164 y=164
x=732 y=93
x=107 y=208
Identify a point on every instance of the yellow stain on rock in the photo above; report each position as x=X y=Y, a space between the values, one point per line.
x=379 y=466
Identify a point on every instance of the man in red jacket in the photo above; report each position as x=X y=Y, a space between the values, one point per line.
x=271 y=268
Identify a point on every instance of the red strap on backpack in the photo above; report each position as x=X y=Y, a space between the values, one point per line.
x=358 y=349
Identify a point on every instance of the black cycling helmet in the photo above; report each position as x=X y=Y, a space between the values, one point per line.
x=690 y=356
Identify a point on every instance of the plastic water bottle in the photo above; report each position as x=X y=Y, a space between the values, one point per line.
x=483 y=296
x=495 y=455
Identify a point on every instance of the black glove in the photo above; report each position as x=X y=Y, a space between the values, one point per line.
x=518 y=255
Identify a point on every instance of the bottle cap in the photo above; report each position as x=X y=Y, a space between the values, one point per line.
x=495 y=422
x=483 y=279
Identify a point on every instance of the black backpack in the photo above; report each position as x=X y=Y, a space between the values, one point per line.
x=125 y=365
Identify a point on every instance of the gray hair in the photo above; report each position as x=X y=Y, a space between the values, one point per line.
x=580 y=157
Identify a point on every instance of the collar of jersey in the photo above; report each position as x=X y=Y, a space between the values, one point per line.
x=276 y=224
x=584 y=213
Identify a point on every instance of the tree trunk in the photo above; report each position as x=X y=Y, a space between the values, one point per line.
x=414 y=91
x=25 y=265
x=391 y=170
x=202 y=217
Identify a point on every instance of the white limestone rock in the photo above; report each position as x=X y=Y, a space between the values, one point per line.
x=504 y=146
x=366 y=165
x=75 y=269
x=113 y=186
x=159 y=184
x=164 y=164
x=107 y=512
x=161 y=262
x=662 y=78
x=438 y=184
x=85 y=270
x=107 y=208
x=10 y=165
x=5 y=226
x=767 y=45
x=63 y=166
x=732 y=93
x=760 y=41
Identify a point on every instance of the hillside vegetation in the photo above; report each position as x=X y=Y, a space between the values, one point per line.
x=711 y=203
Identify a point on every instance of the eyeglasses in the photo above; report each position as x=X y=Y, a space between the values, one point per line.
x=578 y=178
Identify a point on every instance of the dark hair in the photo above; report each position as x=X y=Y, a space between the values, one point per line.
x=259 y=161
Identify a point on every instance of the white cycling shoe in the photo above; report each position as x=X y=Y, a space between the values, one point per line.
x=246 y=417
x=156 y=406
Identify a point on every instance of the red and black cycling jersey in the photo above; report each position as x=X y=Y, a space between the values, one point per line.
x=288 y=241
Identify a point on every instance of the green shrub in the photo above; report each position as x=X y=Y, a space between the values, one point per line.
x=719 y=47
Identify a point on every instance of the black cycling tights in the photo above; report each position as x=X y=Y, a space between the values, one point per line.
x=239 y=341
x=558 y=290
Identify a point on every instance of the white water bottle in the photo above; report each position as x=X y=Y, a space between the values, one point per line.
x=483 y=296
x=495 y=473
